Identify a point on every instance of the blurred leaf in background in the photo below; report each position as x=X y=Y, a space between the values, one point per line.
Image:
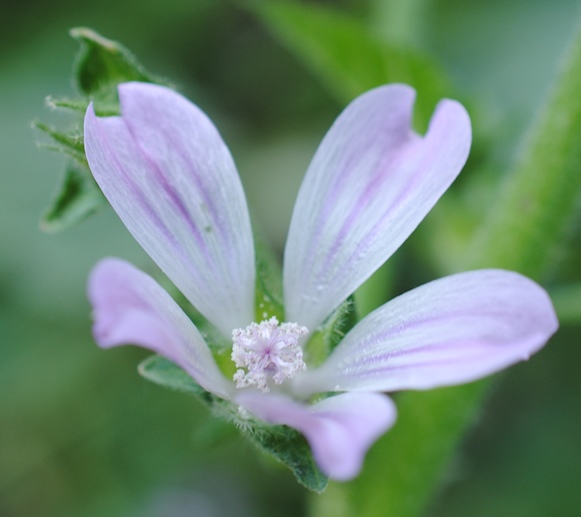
x=348 y=57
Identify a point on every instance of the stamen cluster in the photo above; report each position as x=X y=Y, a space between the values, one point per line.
x=267 y=350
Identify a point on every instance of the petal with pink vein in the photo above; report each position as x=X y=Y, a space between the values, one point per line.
x=450 y=331
x=169 y=176
x=370 y=183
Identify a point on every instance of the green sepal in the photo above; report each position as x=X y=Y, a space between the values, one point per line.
x=268 y=283
x=101 y=65
x=79 y=105
x=341 y=321
x=77 y=197
x=285 y=444
x=162 y=371
x=70 y=143
x=331 y=332
x=290 y=448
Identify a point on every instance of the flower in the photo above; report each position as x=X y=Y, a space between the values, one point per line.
x=169 y=176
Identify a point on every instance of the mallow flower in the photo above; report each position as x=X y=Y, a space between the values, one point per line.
x=166 y=171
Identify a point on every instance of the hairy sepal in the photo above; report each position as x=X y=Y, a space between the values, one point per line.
x=283 y=443
x=100 y=66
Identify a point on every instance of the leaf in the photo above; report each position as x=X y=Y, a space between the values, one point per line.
x=78 y=197
x=347 y=57
x=285 y=444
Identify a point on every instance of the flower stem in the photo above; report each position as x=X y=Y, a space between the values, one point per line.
x=527 y=225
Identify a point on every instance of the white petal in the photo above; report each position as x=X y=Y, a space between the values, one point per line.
x=129 y=307
x=450 y=331
x=339 y=429
x=166 y=171
x=369 y=185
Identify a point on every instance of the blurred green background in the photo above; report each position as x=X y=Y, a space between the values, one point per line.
x=80 y=432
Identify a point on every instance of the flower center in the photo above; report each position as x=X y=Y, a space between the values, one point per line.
x=267 y=350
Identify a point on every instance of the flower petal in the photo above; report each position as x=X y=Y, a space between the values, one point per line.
x=371 y=182
x=450 y=331
x=166 y=171
x=129 y=307
x=339 y=429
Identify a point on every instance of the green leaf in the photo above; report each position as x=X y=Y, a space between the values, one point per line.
x=347 y=57
x=283 y=443
x=78 y=197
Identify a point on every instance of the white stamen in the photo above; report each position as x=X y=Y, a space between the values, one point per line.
x=267 y=350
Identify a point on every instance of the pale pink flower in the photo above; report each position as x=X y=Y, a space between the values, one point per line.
x=167 y=173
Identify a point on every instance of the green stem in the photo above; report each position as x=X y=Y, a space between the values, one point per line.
x=525 y=227
x=527 y=224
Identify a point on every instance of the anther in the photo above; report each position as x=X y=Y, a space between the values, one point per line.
x=267 y=350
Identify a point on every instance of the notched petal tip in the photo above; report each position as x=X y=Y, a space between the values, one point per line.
x=371 y=182
x=394 y=102
x=450 y=126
